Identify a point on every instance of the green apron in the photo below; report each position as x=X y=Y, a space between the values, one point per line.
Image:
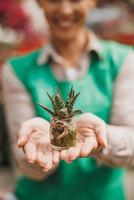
x=83 y=179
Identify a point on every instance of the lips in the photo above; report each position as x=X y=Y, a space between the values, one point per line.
x=64 y=23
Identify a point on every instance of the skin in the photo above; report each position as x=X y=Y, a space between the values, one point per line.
x=34 y=138
x=66 y=19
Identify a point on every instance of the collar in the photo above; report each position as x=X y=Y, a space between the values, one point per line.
x=48 y=50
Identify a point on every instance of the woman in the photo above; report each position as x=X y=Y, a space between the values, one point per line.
x=98 y=70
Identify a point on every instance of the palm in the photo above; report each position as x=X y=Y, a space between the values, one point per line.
x=86 y=142
x=34 y=138
x=37 y=146
x=91 y=132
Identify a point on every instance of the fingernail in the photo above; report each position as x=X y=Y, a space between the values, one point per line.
x=105 y=141
x=20 y=142
x=31 y=161
x=45 y=170
x=41 y=164
x=69 y=161
x=102 y=141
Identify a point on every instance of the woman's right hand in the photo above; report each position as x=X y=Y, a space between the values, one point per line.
x=34 y=139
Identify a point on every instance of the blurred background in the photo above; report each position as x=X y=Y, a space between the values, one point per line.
x=23 y=29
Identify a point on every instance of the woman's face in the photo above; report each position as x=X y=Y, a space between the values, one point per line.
x=66 y=17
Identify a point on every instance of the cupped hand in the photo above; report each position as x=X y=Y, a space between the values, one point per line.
x=34 y=139
x=91 y=136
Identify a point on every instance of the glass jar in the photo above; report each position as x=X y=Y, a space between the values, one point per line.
x=62 y=133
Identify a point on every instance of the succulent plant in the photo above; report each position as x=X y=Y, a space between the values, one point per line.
x=61 y=109
x=62 y=127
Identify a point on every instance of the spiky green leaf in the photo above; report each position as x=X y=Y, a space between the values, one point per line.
x=70 y=103
x=53 y=102
x=47 y=109
x=58 y=102
x=75 y=97
x=76 y=112
x=61 y=109
x=70 y=96
x=69 y=99
x=71 y=93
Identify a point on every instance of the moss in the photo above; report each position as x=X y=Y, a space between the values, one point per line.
x=68 y=140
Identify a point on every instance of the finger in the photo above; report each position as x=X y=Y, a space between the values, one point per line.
x=47 y=161
x=72 y=153
x=40 y=159
x=63 y=154
x=56 y=155
x=101 y=134
x=23 y=135
x=87 y=147
x=30 y=152
x=45 y=170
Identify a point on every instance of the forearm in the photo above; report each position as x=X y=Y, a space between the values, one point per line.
x=18 y=108
x=120 y=149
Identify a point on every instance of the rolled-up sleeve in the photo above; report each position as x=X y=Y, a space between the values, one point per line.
x=18 y=108
x=120 y=150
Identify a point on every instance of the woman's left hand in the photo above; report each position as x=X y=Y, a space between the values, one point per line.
x=91 y=136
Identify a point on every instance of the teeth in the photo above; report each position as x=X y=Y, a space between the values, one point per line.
x=65 y=24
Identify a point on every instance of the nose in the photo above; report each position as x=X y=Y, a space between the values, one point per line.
x=66 y=8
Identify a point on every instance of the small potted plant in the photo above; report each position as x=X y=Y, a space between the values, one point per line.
x=62 y=124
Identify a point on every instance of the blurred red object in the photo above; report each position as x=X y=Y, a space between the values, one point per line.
x=13 y=16
x=122 y=38
x=30 y=44
x=25 y=46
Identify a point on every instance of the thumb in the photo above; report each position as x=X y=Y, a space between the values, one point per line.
x=101 y=134
x=23 y=135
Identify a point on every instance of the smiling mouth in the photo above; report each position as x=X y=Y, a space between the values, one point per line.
x=65 y=24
